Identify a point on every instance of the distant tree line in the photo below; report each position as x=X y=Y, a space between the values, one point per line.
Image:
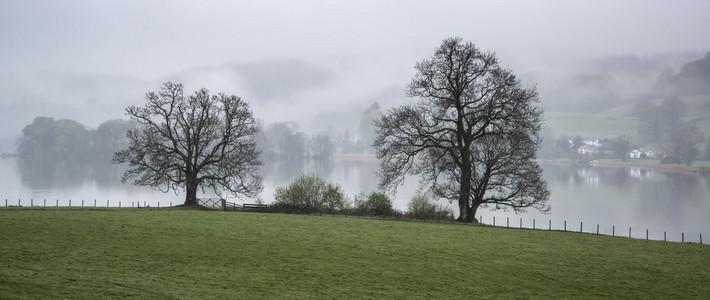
x=283 y=141
x=68 y=140
x=47 y=139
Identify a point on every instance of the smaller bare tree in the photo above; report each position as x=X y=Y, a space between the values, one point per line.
x=194 y=142
x=622 y=145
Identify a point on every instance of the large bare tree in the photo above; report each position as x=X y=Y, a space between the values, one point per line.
x=193 y=142
x=471 y=137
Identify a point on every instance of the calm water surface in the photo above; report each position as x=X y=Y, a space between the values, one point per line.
x=614 y=198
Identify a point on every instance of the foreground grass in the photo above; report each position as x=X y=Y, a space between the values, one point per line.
x=174 y=253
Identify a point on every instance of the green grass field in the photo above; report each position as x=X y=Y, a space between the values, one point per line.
x=178 y=253
x=590 y=125
x=619 y=120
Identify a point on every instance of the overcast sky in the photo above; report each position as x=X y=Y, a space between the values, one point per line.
x=151 y=39
x=359 y=49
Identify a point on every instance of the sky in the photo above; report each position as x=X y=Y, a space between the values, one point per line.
x=292 y=59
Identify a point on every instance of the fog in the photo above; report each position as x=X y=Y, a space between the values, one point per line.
x=320 y=62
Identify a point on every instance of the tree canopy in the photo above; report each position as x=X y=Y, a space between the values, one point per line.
x=192 y=142
x=471 y=137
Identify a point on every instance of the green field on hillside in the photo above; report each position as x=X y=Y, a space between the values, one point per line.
x=589 y=125
x=619 y=120
x=177 y=253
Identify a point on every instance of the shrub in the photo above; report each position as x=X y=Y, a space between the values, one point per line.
x=360 y=204
x=421 y=207
x=379 y=204
x=309 y=194
x=333 y=197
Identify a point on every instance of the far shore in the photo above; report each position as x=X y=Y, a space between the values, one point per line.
x=642 y=164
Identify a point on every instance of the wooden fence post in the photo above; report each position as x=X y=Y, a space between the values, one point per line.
x=69 y=202
x=94 y=202
x=565 y=229
x=701 y=239
x=682 y=237
x=107 y=203
x=494 y=220
x=629 y=232
x=580 y=226
x=224 y=204
x=533 y=223
x=45 y=202
x=647 y=234
x=521 y=222
x=597 y=229
x=613 y=229
x=549 y=227
x=57 y=204
x=32 y=202
x=507 y=221
x=664 y=236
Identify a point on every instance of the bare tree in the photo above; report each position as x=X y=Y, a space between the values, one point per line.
x=193 y=142
x=622 y=145
x=471 y=138
x=684 y=145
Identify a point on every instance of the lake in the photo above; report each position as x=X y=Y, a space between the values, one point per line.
x=614 y=198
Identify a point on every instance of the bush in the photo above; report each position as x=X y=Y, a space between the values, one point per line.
x=333 y=198
x=379 y=204
x=309 y=194
x=422 y=208
x=372 y=204
x=360 y=204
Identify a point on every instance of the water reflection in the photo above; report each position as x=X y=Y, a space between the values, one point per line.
x=44 y=174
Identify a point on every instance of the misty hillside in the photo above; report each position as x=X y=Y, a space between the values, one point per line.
x=333 y=97
x=600 y=84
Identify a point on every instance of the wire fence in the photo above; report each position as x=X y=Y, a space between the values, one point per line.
x=594 y=228
x=84 y=203
x=507 y=222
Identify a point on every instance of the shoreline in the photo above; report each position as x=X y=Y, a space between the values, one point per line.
x=660 y=167
x=698 y=170
x=633 y=164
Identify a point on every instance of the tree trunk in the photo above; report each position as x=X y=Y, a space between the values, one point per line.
x=191 y=195
x=465 y=213
x=465 y=190
x=472 y=212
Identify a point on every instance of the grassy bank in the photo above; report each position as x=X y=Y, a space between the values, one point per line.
x=176 y=253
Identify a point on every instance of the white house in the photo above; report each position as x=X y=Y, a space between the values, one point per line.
x=641 y=153
x=594 y=142
x=587 y=150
